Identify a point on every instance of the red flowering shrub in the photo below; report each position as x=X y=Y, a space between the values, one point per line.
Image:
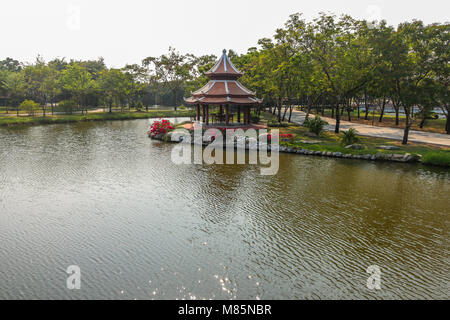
x=286 y=137
x=160 y=127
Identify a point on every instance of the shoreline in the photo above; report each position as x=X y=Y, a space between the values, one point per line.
x=104 y=116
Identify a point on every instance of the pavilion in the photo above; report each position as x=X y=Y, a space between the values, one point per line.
x=223 y=91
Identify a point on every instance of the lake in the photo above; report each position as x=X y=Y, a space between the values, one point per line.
x=106 y=198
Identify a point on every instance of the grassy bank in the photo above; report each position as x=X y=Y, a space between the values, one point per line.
x=440 y=158
x=431 y=125
x=103 y=116
x=330 y=141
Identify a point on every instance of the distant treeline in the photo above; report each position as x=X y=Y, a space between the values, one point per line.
x=337 y=63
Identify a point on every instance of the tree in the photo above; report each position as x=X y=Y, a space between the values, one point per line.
x=173 y=69
x=411 y=63
x=10 y=65
x=76 y=80
x=29 y=106
x=50 y=86
x=15 y=87
x=110 y=83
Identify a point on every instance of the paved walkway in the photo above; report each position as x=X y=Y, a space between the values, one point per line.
x=380 y=132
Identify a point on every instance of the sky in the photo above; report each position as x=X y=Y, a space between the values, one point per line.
x=128 y=31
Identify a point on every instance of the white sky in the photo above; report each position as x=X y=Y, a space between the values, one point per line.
x=127 y=31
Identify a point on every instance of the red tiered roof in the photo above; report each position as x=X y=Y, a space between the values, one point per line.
x=223 y=88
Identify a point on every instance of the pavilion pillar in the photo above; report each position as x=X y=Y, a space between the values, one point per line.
x=221 y=111
x=204 y=113
x=245 y=115
x=248 y=115
x=198 y=112
x=239 y=114
x=207 y=116
x=227 y=114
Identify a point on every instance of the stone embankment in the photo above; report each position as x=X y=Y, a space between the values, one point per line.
x=253 y=145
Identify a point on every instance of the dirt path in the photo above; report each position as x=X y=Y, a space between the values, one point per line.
x=380 y=132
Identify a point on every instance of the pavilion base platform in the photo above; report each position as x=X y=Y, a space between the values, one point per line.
x=192 y=125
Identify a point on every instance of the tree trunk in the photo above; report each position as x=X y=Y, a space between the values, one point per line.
x=175 y=101
x=290 y=112
x=338 y=119
x=382 y=110
x=279 y=113
x=332 y=112
x=366 y=107
x=407 y=126
x=397 y=110
x=422 y=122
x=285 y=111
x=447 y=125
x=308 y=108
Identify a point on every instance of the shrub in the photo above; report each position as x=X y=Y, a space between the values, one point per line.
x=315 y=125
x=283 y=137
x=439 y=158
x=349 y=137
x=160 y=127
x=139 y=106
x=276 y=124
x=254 y=118
x=182 y=108
x=29 y=106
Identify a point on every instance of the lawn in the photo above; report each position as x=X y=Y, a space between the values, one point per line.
x=431 y=125
x=330 y=141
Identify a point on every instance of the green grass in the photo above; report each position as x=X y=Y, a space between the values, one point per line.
x=330 y=141
x=431 y=125
x=104 y=116
x=440 y=158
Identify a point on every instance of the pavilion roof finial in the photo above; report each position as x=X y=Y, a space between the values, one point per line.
x=223 y=68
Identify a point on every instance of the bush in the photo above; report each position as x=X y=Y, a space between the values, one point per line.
x=139 y=106
x=182 y=108
x=439 y=158
x=254 y=118
x=160 y=127
x=29 y=106
x=276 y=124
x=315 y=125
x=349 y=137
